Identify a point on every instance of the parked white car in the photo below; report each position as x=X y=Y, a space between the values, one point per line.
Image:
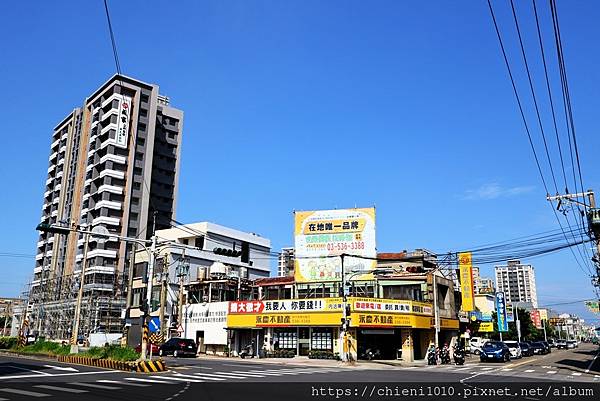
x=475 y=344
x=514 y=348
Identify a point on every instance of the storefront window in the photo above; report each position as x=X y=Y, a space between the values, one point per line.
x=321 y=339
x=285 y=339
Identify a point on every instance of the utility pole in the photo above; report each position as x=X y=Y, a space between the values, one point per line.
x=436 y=312
x=182 y=271
x=150 y=277
x=593 y=222
x=163 y=294
x=344 y=330
x=75 y=333
x=129 y=294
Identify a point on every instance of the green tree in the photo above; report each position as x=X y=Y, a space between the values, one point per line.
x=528 y=329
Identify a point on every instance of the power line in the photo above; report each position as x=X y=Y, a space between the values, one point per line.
x=112 y=38
x=519 y=103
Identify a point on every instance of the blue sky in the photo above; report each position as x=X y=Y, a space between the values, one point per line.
x=311 y=105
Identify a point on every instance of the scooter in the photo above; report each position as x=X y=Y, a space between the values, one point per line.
x=248 y=350
x=459 y=356
x=371 y=353
x=445 y=356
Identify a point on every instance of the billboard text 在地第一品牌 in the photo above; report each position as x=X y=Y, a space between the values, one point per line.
x=320 y=236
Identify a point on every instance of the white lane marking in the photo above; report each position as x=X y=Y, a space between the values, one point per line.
x=200 y=376
x=576 y=374
x=92 y=385
x=69 y=369
x=242 y=374
x=122 y=383
x=591 y=363
x=460 y=369
x=23 y=392
x=505 y=370
x=530 y=370
x=181 y=379
x=65 y=389
x=488 y=368
x=139 y=379
x=39 y=372
x=223 y=375
x=551 y=372
x=56 y=375
x=203 y=367
x=262 y=372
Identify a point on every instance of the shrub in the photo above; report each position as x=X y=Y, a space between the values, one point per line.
x=8 y=342
x=114 y=352
x=45 y=348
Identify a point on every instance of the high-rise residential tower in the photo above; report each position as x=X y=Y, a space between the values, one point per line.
x=517 y=281
x=113 y=165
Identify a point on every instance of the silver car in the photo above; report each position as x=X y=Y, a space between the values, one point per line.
x=514 y=348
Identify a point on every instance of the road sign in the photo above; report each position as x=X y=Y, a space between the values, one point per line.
x=180 y=329
x=154 y=324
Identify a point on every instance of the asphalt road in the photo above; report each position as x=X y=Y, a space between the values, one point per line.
x=212 y=379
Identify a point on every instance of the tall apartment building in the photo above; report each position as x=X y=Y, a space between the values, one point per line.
x=113 y=165
x=285 y=262
x=517 y=281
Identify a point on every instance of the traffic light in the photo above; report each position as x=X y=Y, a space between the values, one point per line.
x=227 y=252
x=49 y=228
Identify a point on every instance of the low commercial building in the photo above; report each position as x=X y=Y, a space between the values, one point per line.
x=212 y=262
x=391 y=310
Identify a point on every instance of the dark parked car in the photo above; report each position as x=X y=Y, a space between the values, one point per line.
x=495 y=351
x=538 y=348
x=547 y=346
x=178 y=347
x=526 y=349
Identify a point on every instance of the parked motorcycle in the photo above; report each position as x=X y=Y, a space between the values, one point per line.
x=459 y=356
x=372 y=353
x=248 y=350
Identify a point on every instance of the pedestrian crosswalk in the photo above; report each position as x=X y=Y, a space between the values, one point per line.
x=56 y=389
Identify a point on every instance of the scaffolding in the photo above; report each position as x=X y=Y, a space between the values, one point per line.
x=51 y=305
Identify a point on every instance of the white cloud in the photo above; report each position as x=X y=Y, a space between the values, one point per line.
x=495 y=191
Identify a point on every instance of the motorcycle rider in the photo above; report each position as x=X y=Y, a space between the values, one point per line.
x=459 y=354
x=432 y=355
x=445 y=354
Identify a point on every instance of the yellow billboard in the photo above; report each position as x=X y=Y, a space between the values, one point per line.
x=321 y=236
x=485 y=327
x=466 y=281
x=283 y=320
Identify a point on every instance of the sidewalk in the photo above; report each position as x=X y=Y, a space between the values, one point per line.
x=298 y=361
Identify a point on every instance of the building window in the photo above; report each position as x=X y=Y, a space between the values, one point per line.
x=285 y=339
x=321 y=339
x=199 y=242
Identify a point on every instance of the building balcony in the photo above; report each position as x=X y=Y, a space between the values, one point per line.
x=111 y=221
x=109 y=205
x=53 y=156
x=112 y=173
x=55 y=143
x=62 y=149
x=52 y=167
x=58 y=187
x=55 y=200
x=60 y=175
x=54 y=213
x=110 y=188
x=84 y=211
x=108 y=114
x=110 y=99
x=108 y=128
x=98 y=287
x=113 y=158
x=38 y=269
x=61 y=162
x=100 y=269
x=105 y=253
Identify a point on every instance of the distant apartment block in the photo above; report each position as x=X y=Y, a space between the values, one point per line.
x=285 y=262
x=517 y=281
